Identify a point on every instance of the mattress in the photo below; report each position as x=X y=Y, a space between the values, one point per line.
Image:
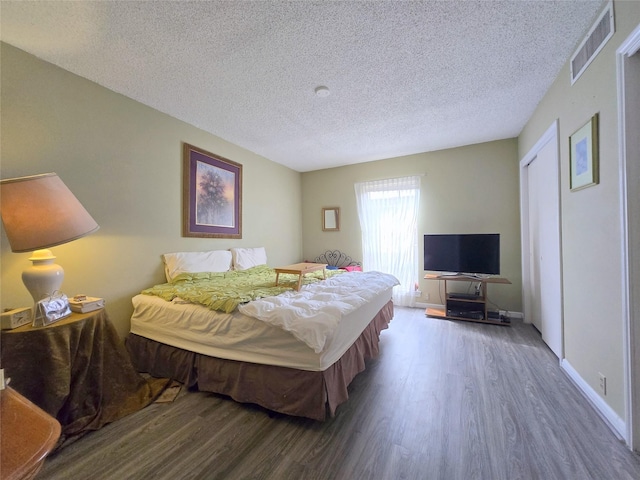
x=234 y=336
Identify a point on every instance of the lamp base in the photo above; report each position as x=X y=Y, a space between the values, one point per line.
x=44 y=277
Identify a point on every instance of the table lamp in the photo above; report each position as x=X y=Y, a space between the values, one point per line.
x=39 y=212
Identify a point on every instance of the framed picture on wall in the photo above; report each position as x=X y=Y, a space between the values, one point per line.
x=331 y=219
x=583 y=154
x=212 y=195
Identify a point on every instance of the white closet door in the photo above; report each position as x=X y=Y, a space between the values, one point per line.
x=544 y=238
x=534 y=247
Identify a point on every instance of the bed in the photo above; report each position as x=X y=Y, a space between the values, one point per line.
x=290 y=352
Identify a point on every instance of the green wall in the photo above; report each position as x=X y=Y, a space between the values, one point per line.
x=123 y=160
x=591 y=218
x=471 y=189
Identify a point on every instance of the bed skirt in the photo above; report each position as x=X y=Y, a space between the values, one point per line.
x=290 y=391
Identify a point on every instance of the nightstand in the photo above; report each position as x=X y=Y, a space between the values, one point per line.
x=77 y=370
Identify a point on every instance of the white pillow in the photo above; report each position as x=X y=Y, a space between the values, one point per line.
x=194 y=262
x=244 y=258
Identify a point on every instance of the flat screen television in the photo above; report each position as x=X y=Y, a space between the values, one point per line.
x=475 y=253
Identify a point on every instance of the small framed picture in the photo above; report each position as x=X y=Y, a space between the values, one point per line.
x=583 y=154
x=51 y=309
x=331 y=219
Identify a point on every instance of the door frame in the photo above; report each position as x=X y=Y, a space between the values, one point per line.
x=630 y=259
x=550 y=135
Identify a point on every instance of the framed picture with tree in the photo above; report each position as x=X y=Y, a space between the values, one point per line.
x=212 y=195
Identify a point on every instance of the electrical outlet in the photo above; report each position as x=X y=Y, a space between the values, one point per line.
x=603 y=383
x=427 y=296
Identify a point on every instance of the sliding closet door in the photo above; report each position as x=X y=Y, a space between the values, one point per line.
x=545 y=308
x=534 y=252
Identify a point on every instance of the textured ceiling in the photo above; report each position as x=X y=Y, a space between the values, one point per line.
x=404 y=76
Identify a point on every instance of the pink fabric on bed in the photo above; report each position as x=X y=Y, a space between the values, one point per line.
x=354 y=268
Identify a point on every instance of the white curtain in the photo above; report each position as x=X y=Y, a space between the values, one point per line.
x=388 y=213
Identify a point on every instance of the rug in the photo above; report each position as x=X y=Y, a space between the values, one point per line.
x=170 y=393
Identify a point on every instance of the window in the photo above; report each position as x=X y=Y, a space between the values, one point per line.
x=388 y=213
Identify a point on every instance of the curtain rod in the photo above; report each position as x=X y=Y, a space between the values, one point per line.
x=391 y=178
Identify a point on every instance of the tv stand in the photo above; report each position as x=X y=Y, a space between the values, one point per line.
x=468 y=307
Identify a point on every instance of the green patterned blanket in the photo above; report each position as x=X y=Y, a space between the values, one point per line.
x=225 y=291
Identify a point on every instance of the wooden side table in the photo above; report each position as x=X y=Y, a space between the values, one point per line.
x=77 y=370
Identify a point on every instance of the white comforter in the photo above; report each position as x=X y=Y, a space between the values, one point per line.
x=313 y=314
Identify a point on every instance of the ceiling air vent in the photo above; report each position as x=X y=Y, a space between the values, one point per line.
x=595 y=40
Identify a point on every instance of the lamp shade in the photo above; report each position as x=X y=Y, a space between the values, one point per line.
x=39 y=212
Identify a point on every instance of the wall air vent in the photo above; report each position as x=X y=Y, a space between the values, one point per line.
x=595 y=40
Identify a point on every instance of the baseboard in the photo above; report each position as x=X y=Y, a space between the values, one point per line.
x=424 y=306
x=610 y=417
x=512 y=315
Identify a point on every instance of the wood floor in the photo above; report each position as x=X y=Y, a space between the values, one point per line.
x=444 y=400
